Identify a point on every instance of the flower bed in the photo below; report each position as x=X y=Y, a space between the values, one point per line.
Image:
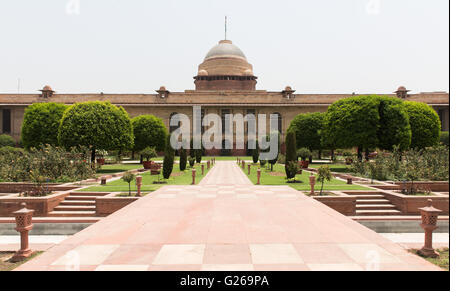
x=41 y=205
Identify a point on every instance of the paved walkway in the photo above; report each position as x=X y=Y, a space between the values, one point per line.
x=227 y=224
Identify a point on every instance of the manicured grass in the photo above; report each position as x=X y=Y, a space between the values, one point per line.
x=6 y=265
x=118 y=168
x=268 y=179
x=338 y=168
x=442 y=261
x=178 y=178
x=209 y=158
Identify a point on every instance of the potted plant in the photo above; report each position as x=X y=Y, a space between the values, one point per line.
x=348 y=157
x=148 y=153
x=304 y=153
x=101 y=157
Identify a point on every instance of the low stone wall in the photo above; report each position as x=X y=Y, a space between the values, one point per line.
x=342 y=203
x=22 y=187
x=109 y=204
x=433 y=186
x=409 y=205
x=41 y=205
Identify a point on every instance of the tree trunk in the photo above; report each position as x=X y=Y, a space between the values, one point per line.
x=93 y=156
x=360 y=157
x=141 y=159
x=367 y=155
x=132 y=155
x=320 y=154
x=332 y=155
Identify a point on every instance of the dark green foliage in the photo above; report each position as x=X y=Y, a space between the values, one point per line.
x=323 y=174
x=191 y=161
x=169 y=157
x=303 y=153
x=149 y=131
x=394 y=129
x=255 y=153
x=198 y=155
x=425 y=125
x=128 y=178
x=97 y=125
x=7 y=141
x=183 y=159
x=308 y=127
x=444 y=138
x=291 y=153
x=40 y=124
x=353 y=122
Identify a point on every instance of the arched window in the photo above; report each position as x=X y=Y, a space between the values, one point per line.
x=280 y=121
x=173 y=128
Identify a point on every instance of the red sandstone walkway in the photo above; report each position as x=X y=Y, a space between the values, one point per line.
x=227 y=224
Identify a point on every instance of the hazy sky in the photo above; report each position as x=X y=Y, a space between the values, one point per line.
x=135 y=46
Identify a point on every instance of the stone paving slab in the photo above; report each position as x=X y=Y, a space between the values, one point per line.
x=237 y=227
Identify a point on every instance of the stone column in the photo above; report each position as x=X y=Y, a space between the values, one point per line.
x=139 y=185
x=312 y=182
x=429 y=224
x=24 y=225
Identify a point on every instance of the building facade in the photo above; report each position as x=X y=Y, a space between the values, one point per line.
x=225 y=84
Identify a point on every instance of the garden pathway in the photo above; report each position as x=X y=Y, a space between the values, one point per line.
x=226 y=223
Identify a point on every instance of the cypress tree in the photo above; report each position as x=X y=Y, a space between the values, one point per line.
x=183 y=159
x=291 y=153
x=169 y=156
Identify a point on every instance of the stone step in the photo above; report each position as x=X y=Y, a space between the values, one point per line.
x=95 y=194
x=373 y=201
x=74 y=208
x=377 y=212
x=72 y=214
x=79 y=203
x=79 y=198
x=368 y=197
x=376 y=207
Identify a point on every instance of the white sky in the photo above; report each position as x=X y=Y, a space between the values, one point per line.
x=135 y=46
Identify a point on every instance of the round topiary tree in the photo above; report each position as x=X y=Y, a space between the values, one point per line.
x=40 y=124
x=394 y=127
x=7 y=141
x=425 y=125
x=291 y=153
x=308 y=128
x=169 y=157
x=149 y=131
x=96 y=125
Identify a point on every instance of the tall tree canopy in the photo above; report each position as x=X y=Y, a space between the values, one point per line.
x=149 y=131
x=307 y=128
x=97 y=125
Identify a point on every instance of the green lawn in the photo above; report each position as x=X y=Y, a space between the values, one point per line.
x=268 y=179
x=209 y=158
x=178 y=178
x=118 y=168
x=442 y=261
x=338 y=168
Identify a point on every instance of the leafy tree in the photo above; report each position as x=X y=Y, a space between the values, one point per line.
x=149 y=131
x=308 y=128
x=96 y=125
x=128 y=178
x=291 y=153
x=323 y=174
x=303 y=153
x=394 y=129
x=7 y=141
x=40 y=124
x=353 y=122
x=183 y=159
x=425 y=124
x=169 y=157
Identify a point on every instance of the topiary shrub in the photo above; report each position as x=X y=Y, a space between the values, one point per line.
x=425 y=125
x=149 y=131
x=97 y=125
x=255 y=153
x=40 y=124
x=291 y=154
x=169 y=157
x=7 y=141
x=183 y=159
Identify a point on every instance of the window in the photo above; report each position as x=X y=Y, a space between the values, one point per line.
x=6 y=121
x=173 y=128
x=280 y=122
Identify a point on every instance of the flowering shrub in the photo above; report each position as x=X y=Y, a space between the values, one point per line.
x=54 y=164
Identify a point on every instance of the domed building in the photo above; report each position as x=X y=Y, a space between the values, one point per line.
x=225 y=84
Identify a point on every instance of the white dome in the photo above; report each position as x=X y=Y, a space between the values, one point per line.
x=225 y=48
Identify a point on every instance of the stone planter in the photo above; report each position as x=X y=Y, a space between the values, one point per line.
x=42 y=206
x=109 y=204
x=147 y=164
x=101 y=161
x=342 y=203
